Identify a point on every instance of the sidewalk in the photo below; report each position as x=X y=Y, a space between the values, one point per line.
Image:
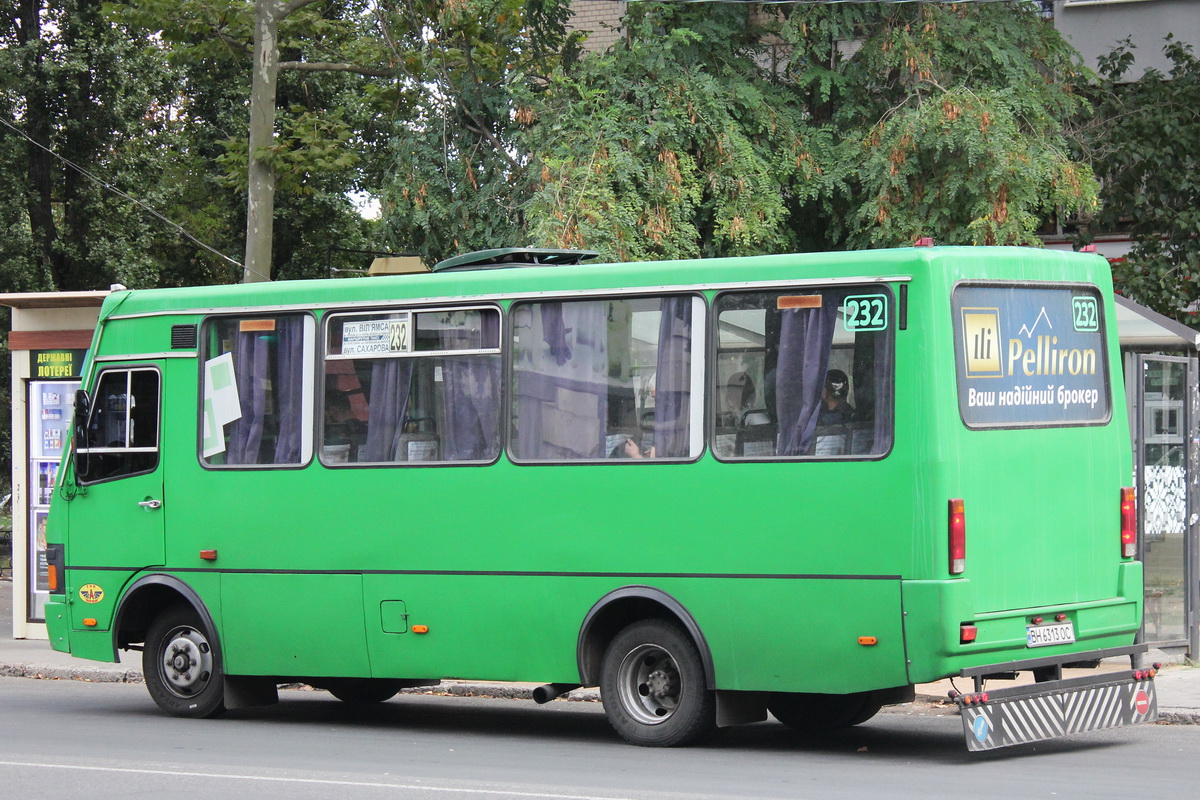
x=1178 y=686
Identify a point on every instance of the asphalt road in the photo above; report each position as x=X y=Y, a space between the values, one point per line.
x=73 y=739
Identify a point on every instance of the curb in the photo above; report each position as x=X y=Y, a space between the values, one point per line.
x=55 y=673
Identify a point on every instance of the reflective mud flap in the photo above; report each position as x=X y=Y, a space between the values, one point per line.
x=1022 y=714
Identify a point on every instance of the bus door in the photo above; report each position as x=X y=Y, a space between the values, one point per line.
x=116 y=515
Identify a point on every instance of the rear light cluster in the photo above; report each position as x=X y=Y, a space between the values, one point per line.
x=1128 y=523
x=1146 y=674
x=958 y=537
x=975 y=699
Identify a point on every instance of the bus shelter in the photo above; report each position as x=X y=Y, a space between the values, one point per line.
x=1160 y=358
x=51 y=332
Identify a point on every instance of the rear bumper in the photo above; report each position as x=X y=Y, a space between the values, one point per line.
x=1048 y=710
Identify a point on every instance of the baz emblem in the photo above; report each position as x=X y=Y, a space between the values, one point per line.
x=91 y=593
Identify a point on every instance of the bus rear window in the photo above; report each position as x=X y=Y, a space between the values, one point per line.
x=1030 y=356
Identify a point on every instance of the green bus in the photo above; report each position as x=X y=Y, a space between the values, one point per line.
x=714 y=488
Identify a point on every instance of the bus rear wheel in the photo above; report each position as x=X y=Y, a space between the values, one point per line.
x=182 y=671
x=823 y=712
x=362 y=691
x=653 y=687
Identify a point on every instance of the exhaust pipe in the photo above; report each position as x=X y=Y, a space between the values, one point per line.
x=544 y=694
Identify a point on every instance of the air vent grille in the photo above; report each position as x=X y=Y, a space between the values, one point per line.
x=183 y=337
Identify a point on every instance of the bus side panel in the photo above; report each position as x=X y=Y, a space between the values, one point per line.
x=294 y=625
x=820 y=635
x=829 y=635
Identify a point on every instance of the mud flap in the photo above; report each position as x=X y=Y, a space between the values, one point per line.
x=1023 y=714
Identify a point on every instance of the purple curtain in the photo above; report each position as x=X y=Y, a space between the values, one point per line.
x=391 y=382
x=289 y=387
x=540 y=380
x=874 y=389
x=673 y=379
x=251 y=364
x=472 y=399
x=804 y=343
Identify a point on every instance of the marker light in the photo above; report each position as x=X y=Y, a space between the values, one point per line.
x=420 y=629
x=89 y=623
x=958 y=537
x=967 y=633
x=1128 y=522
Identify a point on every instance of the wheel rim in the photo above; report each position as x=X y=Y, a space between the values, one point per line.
x=650 y=684
x=187 y=661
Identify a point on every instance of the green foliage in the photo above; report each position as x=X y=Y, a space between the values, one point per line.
x=93 y=93
x=457 y=175
x=890 y=122
x=672 y=145
x=949 y=120
x=1147 y=150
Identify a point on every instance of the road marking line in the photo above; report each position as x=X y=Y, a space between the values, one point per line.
x=315 y=781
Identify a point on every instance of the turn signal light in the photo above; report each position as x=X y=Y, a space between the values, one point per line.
x=420 y=629
x=1128 y=522
x=52 y=578
x=89 y=623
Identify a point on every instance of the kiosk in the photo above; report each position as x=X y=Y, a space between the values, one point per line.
x=51 y=332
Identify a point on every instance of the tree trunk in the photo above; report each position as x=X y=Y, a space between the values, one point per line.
x=40 y=195
x=260 y=204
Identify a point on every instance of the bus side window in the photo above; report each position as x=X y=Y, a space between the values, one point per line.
x=607 y=379
x=122 y=427
x=412 y=386
x=824 y=359
x=257 y=398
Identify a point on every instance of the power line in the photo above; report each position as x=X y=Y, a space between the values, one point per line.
x=178 y=228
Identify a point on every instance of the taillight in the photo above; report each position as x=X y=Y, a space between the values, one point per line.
x=1128 y=522
x=958 y=538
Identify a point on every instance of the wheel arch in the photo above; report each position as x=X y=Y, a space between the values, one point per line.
x=149 y=595
x=626 y=605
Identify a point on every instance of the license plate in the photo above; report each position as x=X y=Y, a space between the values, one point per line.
x=1044 y=635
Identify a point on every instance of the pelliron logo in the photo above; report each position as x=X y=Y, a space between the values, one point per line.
x=981 y=340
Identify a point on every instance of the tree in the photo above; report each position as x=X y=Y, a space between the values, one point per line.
x=890 y=122
x=950 y=120
x=79 y=95
x=299 y=134
x=672 y=144
x=1146 y=145
x=458 y=173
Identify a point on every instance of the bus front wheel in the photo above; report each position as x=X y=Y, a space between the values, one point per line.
x=181 y=669
x=653 y=688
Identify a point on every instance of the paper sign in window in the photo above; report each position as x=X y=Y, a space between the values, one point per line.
x=221 y=402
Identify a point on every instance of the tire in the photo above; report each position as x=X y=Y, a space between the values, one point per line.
x=362 y=691
x=181 y=667
x=814 y=713
x=652 y=683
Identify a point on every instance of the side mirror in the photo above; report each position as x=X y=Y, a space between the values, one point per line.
x=83 y=405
